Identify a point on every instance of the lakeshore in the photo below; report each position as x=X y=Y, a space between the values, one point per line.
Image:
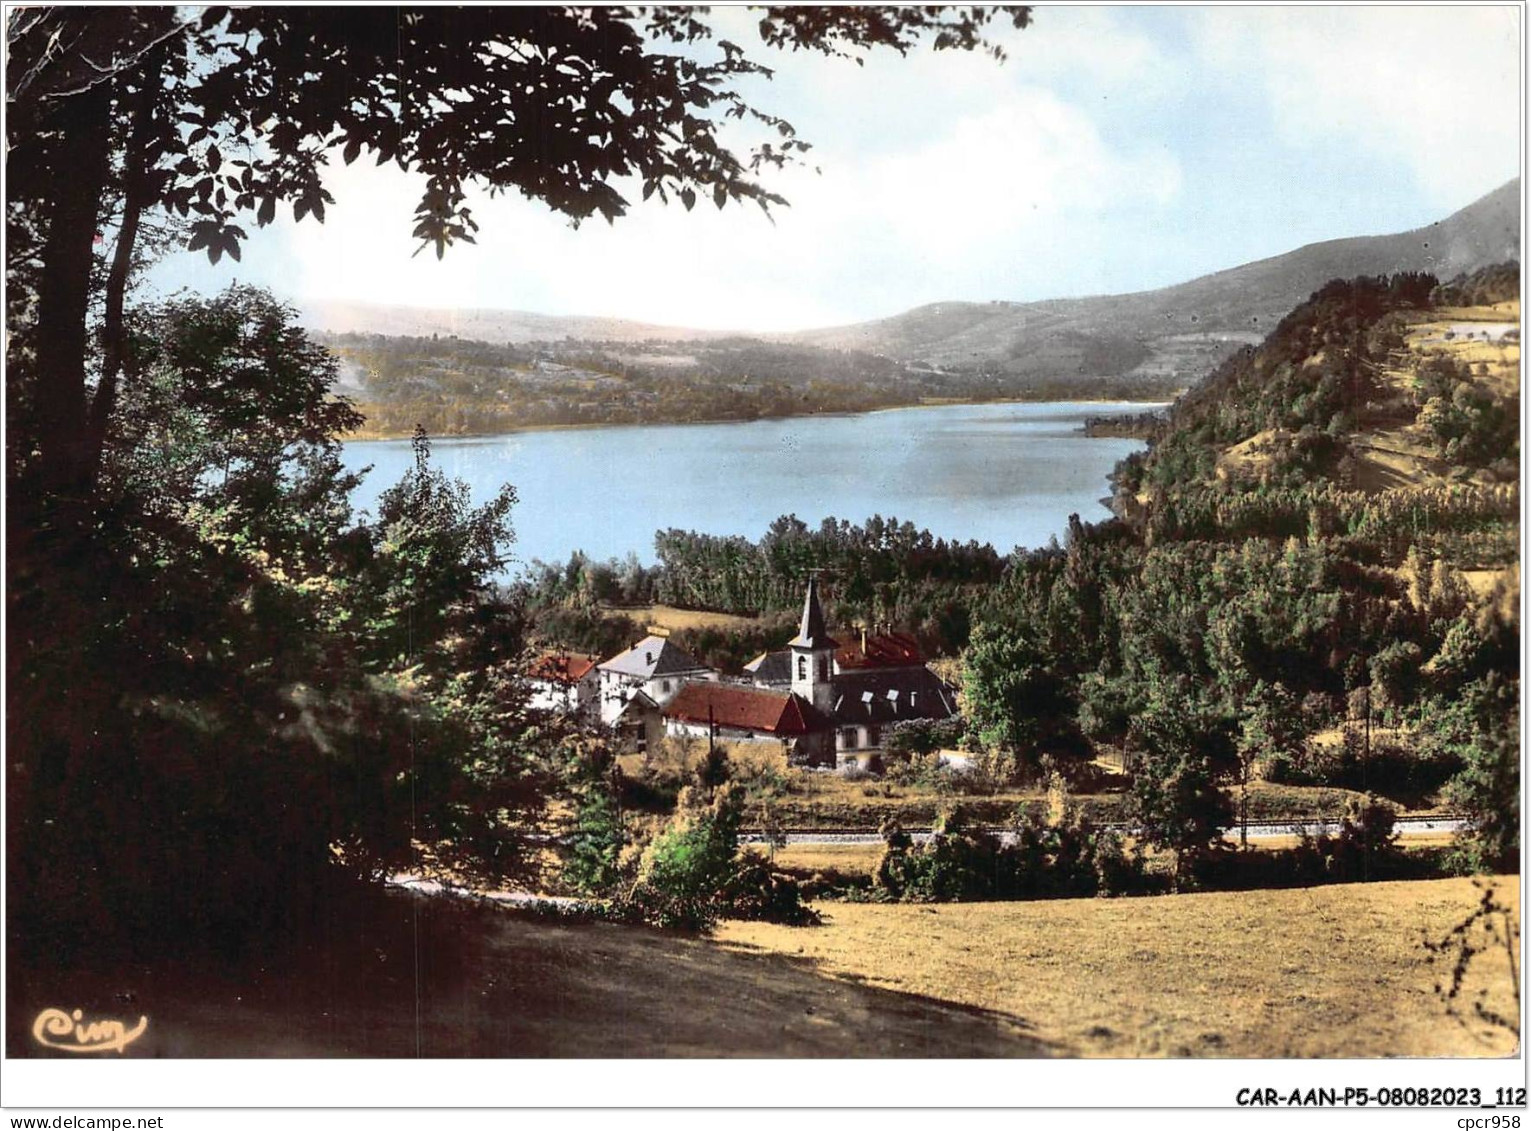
x=1009 y=474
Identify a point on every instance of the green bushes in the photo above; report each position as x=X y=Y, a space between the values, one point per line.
x=690 y=875
x=1058 y=856
x=1365 y=848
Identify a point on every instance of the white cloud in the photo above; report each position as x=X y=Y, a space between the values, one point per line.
x=1434 y=87
x=1098 y=158
x=945 y=176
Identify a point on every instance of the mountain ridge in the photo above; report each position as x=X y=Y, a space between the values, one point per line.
x=1172 y=333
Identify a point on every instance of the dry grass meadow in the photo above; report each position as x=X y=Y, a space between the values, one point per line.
x=1321 y=972
x=1334 y=971
x=673 y=619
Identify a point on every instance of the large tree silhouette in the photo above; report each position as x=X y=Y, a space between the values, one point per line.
x=221 y=117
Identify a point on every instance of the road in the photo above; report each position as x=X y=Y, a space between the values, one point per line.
x=1258 y=830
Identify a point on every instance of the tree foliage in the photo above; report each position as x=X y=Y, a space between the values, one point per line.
x=278 y=688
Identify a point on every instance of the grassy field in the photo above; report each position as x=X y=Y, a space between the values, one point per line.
x=669 y=617
x=1333 y=971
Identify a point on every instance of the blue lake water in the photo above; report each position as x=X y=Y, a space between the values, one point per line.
x=1006 y=474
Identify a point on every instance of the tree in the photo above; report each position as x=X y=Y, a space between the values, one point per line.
x=1017 y=698
x=1272 y=726
x=596 y=844
x=228 y=656
x=118 y=112
x=684 y=871
x=1185 y=749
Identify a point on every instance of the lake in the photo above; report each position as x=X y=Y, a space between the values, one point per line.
x=1007 y=474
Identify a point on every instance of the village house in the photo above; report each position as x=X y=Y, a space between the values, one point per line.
x=566 y=684
x=635 y=685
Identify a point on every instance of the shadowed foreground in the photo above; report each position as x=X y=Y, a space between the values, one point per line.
x=496 y=984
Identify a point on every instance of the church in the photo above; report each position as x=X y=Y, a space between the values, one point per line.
x=828 y=704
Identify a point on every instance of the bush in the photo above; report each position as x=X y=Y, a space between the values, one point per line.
x=915 y=737
x=684 y=869
x=1390 y=767
x=692 y=873
x=1367 y=845
x=1061 y=855
x=754 y=891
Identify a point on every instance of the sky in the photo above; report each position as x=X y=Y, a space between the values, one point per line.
x=1116 y=149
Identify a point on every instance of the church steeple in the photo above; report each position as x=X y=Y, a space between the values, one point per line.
x=813 y=654
x=811 y=632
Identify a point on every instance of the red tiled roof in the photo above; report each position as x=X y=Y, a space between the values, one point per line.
x=745 y=708
x=886 y=650
x=561 y=667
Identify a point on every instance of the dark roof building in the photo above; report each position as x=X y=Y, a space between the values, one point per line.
x=771 y=668
x=877 y=698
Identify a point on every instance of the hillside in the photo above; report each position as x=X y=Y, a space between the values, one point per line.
x=1372 y=384
x=486 y=325
x=1145 y=344
x=1180 y=330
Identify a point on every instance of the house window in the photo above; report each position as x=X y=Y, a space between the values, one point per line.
x=848 y=738
x=666 y=686
x=874 y=736
x=802 y=667
x=823 y=669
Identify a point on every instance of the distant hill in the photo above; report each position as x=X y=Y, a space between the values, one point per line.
x=1167 y=337
x=485 y=325
x=1177 y=330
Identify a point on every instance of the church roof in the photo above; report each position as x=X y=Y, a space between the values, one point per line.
x=891 y=695
x=811 y=633
x=885 y=650
x=653 y=656
x=771 y=667
x=745 y=708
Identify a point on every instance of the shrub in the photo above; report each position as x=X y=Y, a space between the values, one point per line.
x=683 y=871
x=754 y=891
x=1060 y=855
x=693 y=874
x=595 y=847
x=914 y=737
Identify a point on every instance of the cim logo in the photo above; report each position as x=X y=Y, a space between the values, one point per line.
x=69 y=1032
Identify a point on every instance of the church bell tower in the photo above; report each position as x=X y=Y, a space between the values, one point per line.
x=813 y=654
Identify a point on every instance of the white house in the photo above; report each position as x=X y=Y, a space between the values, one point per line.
x=654 y=666
x=564 y=683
